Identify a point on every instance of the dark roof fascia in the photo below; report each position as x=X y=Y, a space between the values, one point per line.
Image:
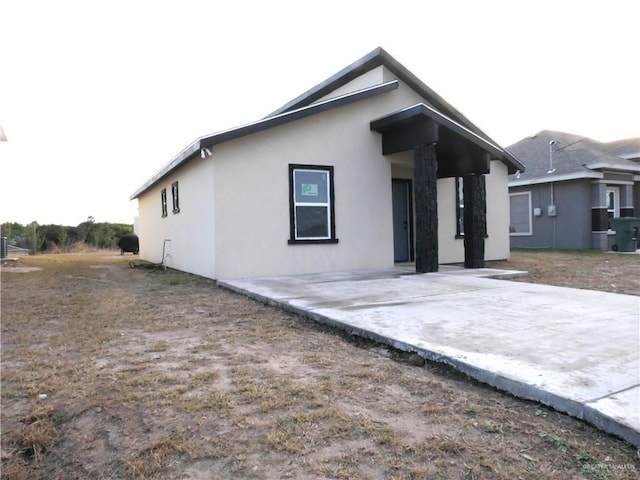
x=168 y=168
x=299 y=113
x=344 y=76
x=388 y=122
x=269 y=122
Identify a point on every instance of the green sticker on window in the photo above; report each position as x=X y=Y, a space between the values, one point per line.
x=310 y=189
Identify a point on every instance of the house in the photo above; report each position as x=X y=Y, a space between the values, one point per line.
x=573 y=186
x=368 y=168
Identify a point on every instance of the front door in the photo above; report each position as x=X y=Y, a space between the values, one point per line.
x=402 y=213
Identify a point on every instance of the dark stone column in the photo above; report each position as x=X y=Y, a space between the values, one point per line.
x=475 y=220
x=426 y=207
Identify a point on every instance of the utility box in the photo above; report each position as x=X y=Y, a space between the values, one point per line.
x=627 y=232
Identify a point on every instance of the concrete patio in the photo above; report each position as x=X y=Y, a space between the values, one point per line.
x=577 y=351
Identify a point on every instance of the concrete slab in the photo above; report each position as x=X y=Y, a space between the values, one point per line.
x=575 y=350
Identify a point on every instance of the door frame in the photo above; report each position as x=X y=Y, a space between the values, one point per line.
x=410 y=220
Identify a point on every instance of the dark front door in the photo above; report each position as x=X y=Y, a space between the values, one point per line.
x=402 y=213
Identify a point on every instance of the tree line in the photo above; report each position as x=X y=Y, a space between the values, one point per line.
x=42 y=238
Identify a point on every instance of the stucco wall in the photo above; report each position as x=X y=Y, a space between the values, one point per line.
x=497 y=244
x=191 y=232
x=252 y=198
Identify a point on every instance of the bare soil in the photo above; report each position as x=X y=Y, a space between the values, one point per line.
x=110 y=372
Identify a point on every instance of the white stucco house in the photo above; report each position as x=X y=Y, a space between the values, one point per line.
x=364 y=170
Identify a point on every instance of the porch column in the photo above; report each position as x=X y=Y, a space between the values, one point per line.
x=426 y=206
x=475 y=219
x=626 y=201
x=599 y=216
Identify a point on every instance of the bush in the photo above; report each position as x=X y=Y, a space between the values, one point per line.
x=60 y=238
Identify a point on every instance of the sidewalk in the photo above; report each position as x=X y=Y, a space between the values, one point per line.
x=577 y=351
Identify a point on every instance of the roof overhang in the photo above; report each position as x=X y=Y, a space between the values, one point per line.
x=193 y=150
x=630 y=156
x=459 y=150
x=614 y=166
x=556 y=178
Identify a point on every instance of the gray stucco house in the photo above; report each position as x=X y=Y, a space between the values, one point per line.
x=571 y=189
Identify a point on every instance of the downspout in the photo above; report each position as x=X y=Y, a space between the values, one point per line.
x=549 y=172
x=555 y=224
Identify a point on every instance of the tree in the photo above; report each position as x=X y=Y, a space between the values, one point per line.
x=34 y=237
x=84 y=228
x=11 y=230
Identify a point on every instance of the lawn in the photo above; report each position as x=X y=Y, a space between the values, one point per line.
x=110 y=372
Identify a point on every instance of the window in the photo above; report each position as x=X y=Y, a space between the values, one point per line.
x=613 y=203
x=311 y=207
x=174 y=197
x=163 y=199
x=459 y=207
x=520 y=206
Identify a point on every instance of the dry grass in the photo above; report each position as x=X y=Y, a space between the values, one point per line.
x=588 y=269
x=152 y=375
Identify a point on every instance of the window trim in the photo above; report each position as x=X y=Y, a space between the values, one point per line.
x=529 y=211
x=163 y=202
x=175 y=197
x=293 y=240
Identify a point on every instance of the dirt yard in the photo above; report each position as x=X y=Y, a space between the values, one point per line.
x=110 y=372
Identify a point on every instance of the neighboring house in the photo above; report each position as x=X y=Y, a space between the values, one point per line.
x=363 y=170
x=573 y=186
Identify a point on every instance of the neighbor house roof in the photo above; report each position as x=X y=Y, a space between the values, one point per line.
x=572 y=157
x=308 y=104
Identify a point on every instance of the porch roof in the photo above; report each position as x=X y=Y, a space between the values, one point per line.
x=457 y=146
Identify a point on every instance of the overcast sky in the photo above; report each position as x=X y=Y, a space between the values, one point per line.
x=96 y=96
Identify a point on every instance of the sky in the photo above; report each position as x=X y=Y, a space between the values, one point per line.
x=97 y=96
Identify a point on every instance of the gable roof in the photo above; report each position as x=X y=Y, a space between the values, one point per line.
x=380 y=57
x=375 y=58
x=572 y=157
x=308 y=104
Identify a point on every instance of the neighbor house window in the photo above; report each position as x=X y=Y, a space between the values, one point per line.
x=311 y=209
x=459 y=207
x=520 y=207
x=613 y=203
x=163 y=199
x=175 y=198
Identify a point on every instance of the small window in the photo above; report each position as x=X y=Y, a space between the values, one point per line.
x=311 y=204
x=459 y=207
x=613 y=204
x=163 y=199
x=175 y=198
x=520 y=208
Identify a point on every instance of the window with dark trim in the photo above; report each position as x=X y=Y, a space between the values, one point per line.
x=163 y=199
x=175 y=198
x=311 y=204
x=459 y=207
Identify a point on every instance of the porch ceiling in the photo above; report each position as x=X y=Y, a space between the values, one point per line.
x=459 y=150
